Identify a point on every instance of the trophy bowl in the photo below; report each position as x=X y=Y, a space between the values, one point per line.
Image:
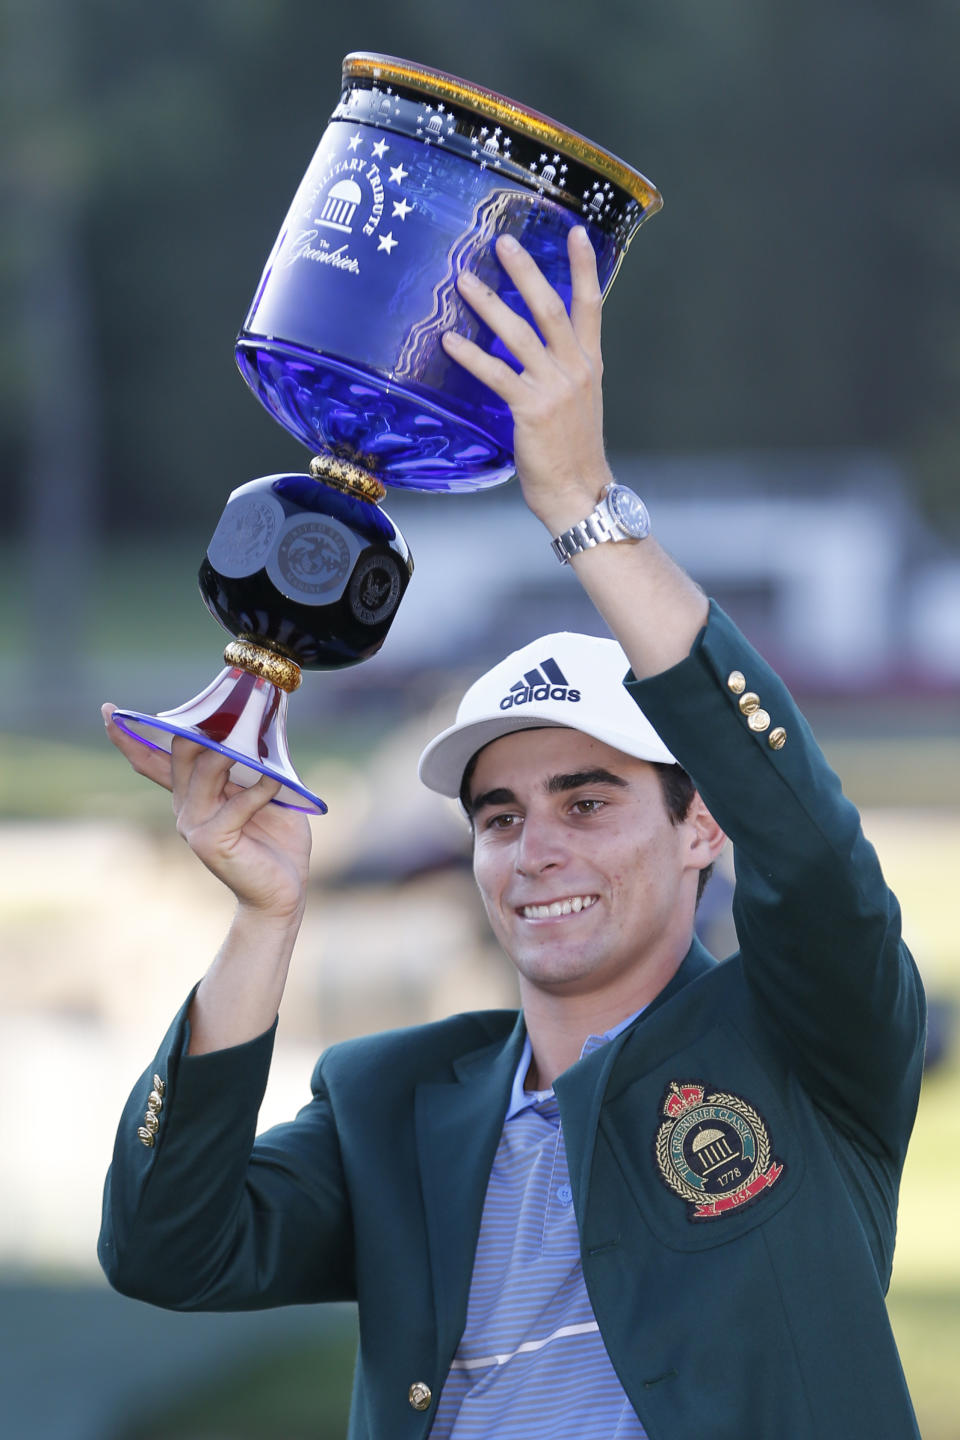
x=417 y=174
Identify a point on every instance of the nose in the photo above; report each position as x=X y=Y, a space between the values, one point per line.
x=540 y=846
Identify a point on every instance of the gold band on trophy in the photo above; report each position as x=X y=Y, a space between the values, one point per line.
x=388 y=70
x=344 y=475
x=265 y=664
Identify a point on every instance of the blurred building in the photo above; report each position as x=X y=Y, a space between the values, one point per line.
x=822 y=559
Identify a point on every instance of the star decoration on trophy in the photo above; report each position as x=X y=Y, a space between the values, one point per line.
x=493 y=146
x=549 y=170
x=435 y=126
x=598 y=199
x=386 y=105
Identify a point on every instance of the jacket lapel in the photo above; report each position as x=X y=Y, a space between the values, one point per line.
x=458 y=1124
x=580 y=1090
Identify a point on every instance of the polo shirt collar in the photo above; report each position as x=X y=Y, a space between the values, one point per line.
x=521 y=1099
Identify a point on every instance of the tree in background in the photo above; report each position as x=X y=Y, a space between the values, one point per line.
x=801 y=288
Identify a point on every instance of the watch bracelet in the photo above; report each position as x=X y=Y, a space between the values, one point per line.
x=587 y=531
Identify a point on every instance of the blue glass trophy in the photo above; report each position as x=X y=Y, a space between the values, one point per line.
x=417 y=175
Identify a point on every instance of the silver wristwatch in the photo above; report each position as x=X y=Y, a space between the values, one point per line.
x=620 y=515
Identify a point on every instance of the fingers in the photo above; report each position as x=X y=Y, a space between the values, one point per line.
x=185 y=761
x=145 y=760
x=247 y=803
x=587 y=297
x=488 y=369
x=543 y=301
x=517 y=334
x=200 y=783
x=565 y=337
x=174 y=769
x=204 y=792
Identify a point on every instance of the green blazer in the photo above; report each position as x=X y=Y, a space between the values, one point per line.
x=734 y=1155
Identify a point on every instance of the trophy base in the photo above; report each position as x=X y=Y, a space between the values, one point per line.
x=241 y=716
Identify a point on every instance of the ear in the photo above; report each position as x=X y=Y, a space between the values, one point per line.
x=706 y=838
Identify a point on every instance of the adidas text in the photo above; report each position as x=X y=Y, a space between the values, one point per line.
x=530 y=693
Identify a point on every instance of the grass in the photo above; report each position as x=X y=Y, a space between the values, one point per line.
x=295 y=1394
x=926 y=1323
x=924 y=1300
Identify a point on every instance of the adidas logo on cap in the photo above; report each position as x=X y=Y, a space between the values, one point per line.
x=546 y=683
x=526 y=690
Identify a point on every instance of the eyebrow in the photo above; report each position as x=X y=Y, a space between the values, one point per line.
x=556 y=785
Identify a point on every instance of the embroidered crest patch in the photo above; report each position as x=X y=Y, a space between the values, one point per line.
x=714 y=1150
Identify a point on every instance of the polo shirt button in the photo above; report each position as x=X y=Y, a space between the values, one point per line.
x=420 y=1395
x=565 y=1195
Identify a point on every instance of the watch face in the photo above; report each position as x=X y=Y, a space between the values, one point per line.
x=629 y=511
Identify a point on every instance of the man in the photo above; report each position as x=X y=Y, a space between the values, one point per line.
x=660 y=1200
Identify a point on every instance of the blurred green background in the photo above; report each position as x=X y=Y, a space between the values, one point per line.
x=790 y=320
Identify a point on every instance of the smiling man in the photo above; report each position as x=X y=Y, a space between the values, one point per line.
x=589 y=848
x=657 y=1201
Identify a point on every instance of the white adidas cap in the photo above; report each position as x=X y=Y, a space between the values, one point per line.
x=571 y=681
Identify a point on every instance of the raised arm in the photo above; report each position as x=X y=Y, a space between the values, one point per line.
x=654 y=608
x=198 y=1214
x=260 y=852
x=819 y=930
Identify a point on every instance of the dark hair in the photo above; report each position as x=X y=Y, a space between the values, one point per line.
x=678 y=792
x=676 y=787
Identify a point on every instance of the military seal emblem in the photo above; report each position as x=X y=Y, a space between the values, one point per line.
x=312 y=559
x=374 y=589
x=713 y=1150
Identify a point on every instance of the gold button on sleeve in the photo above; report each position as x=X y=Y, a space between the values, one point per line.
x=777 y=738
x=154 y=1102
x=146 y=1137
x=420 y=1395
x=159 y=1086
x=759 y=720
x=736 y=681
x=749 y=703
x=151 y=1122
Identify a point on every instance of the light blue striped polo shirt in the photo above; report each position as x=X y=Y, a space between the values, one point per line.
x=531 y=1364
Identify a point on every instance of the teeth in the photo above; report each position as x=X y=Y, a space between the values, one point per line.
x=574 y=904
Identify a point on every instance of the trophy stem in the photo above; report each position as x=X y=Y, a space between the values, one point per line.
x=346 y=475
x=243 y=716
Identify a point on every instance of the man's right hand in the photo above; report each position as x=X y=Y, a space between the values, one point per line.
x=258 y=850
